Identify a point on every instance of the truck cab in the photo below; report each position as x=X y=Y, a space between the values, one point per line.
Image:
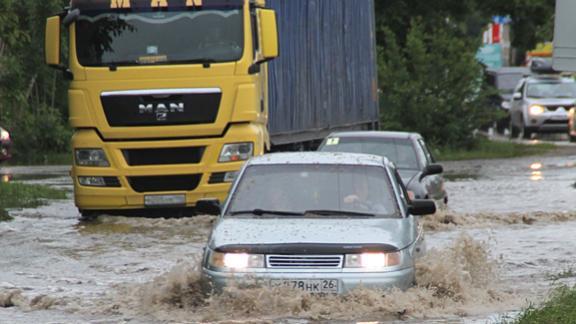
x=167 y=98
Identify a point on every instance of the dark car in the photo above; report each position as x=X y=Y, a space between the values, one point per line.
x=504 y=80
x=5 y=144
x=407 y=151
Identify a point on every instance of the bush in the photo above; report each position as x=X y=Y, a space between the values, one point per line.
x=432 y=84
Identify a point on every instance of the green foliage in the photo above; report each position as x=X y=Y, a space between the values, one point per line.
x=32 y=96
x=485 y=149
x=432 y=85
x=561 y=308
x=19 y=195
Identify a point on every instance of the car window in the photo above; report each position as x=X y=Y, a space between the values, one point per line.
x=428 y=155
x=301 y=188
x=551 y=90
x=400 y=151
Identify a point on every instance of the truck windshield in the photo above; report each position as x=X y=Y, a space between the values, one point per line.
x=159 y=37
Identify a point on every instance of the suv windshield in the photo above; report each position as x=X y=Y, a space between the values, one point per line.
x=159 y=37
x=316 y=190
x=399 y=151
x=551 y=90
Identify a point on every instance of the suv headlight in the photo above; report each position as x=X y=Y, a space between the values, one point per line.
x=373 y=260
x=91 y=158
x=537 y=110
x=235 y=261
x=236 y=152
x=4 y=135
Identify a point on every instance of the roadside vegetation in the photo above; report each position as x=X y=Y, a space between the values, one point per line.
x=19 y=195
x=430 y=82
x=483 y=148
x=559 y=309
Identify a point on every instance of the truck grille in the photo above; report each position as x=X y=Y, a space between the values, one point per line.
x=165 y=183
x=161 y=107
x=181 y=155
x=304 y=261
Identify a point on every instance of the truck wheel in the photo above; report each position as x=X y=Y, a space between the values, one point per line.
x=88 y=215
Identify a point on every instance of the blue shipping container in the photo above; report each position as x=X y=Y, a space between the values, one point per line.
x=326 y=76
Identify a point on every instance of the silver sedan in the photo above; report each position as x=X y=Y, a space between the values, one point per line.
x=318 y=222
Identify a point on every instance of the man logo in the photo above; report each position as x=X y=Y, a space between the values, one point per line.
x=161 y=110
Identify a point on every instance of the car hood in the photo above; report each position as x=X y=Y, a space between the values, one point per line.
x=568 y=102
x=396 y=233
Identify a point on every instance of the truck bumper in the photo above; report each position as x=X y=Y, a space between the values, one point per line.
x=128 y=185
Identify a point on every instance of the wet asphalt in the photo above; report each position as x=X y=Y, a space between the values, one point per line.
x=72 y=268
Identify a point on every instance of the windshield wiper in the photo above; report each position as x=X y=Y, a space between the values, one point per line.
x=329 y=212
x=260 y=212
x=205 y=61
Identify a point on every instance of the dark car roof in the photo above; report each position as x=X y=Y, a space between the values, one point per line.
x=377 y=134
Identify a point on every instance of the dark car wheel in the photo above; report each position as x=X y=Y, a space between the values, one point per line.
x=527 y=132
x=572 y=138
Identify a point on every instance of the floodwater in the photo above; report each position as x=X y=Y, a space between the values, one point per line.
x=504 y=242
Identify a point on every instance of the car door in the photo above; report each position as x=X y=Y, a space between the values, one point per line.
x=434 y=184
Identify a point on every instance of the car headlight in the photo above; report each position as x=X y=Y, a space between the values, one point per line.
x=235 y=261
x=537 y=110
x=4 y=135
x=373 y=260
x=91 y=158
x=236 y=152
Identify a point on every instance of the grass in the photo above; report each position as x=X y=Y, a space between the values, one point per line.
x=559 y=309
x=486 y=149
x=19 y=195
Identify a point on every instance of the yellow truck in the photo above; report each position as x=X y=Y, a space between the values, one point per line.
x=168 y=98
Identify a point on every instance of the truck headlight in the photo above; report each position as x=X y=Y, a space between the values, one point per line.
x=536 y=110
x=236 y=152
x=373 y=260
x=91 y=158
x=235 y=261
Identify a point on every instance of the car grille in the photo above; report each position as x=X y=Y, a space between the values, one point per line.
x=554 y=108
x=304 y=261
x=181 y=155
x=165 y=183
x=161 y=107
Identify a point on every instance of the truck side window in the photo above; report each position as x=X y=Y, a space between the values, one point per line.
x=255 y=32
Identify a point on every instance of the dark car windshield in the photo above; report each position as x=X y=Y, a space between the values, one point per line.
x=294 y=190
x=399 y=151
x=159 y=37
x=551 y=90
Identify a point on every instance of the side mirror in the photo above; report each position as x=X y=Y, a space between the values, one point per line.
x=269 y=31
x=517 y=96
x=208 y=207
x=505 y=105
x=431 y=170
x=52 y=41
x=422 y=207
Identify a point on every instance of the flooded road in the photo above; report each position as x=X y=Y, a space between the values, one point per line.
x=505 y=241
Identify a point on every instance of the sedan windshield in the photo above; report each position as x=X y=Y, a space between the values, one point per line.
x=551 y=90
x=159 y=37
x=314 y=190
x=399 y=151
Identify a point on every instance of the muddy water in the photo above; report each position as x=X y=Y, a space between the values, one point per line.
x=505 y=240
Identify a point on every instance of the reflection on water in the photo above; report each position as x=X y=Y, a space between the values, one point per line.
x=5 y=178
x=536 y=176
x=536 y=166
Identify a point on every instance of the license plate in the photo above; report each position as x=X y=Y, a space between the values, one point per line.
x=164 y=200
x=330 y=286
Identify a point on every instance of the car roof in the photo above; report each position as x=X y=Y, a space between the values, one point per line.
x=328 y=158
x=548 y=78
x=377 y=134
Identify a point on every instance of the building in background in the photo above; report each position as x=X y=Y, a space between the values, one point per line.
x=496 y=50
